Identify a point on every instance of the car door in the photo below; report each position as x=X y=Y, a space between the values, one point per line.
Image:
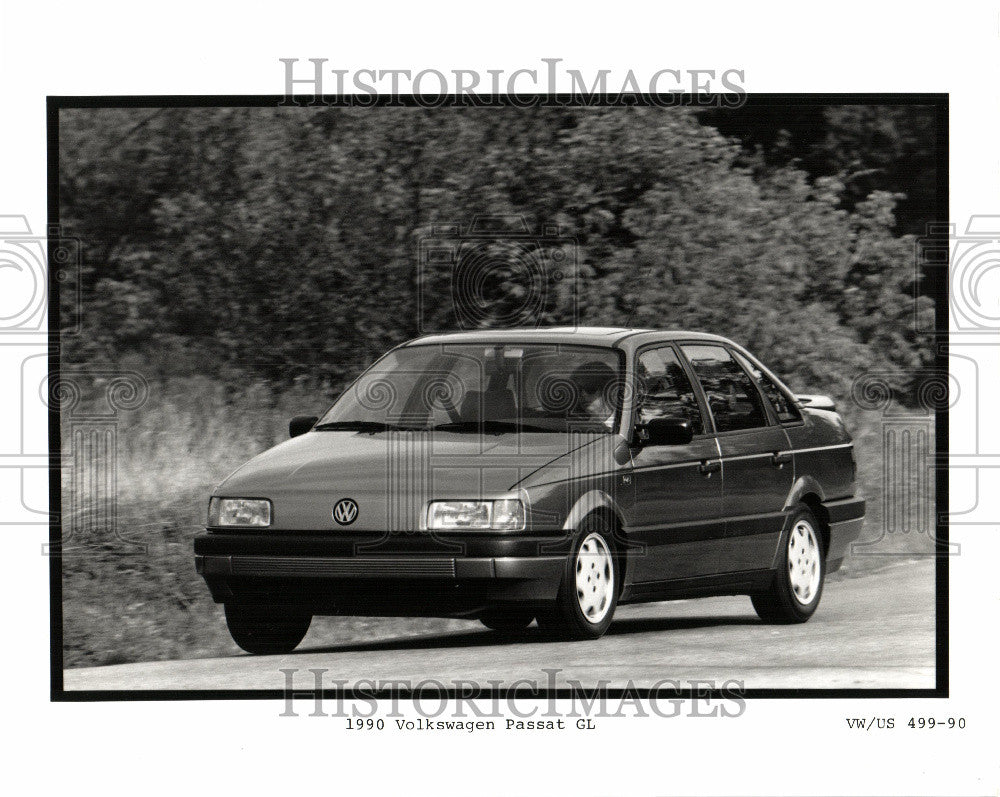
x=757 y=471
x=678 y=513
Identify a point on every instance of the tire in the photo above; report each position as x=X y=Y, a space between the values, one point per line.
x=263 y=630
x=594 y=564
x=797 y=586
x=507 y=621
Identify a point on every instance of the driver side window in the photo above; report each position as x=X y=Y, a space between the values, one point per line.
x=733 y=399
x=664 y=389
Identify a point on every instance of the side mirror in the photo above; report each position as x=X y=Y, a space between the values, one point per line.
x=817 y=402
x=667 y=432
x=301 y=424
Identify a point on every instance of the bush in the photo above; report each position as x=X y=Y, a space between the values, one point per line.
x=279 y=244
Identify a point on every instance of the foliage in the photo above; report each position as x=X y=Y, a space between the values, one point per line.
x=282 y=244
x=890 y=148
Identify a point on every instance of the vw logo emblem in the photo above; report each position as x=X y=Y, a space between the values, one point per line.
x=345 y=511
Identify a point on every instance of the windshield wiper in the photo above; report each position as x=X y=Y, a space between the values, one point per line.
x=489 y=427
x=365 y=426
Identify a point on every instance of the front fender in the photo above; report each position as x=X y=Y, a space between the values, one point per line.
x=589 y=502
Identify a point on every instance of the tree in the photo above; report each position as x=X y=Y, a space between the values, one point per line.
x=282 y=243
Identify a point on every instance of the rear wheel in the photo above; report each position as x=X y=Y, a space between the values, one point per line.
x=507 y=620
x=264 y=629
x=588 y=593
x=798 y=582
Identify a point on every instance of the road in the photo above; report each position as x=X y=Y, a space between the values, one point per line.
x=874 y=631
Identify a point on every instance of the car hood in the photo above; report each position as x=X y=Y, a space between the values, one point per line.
x=392 y=475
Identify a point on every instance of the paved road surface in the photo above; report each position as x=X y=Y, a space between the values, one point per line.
x=871 y=631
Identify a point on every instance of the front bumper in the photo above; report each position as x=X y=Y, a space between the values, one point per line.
x=407 y=576
x=378 y=567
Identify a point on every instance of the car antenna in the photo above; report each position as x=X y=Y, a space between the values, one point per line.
x=631 y=311
x=628 y=321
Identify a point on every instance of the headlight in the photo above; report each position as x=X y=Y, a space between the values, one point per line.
x=506 y=514
x=239 y=512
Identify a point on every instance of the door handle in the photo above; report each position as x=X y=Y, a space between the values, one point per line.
x=708 y=467
x=780 y=459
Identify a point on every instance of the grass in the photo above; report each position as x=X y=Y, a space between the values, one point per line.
x=141 y=600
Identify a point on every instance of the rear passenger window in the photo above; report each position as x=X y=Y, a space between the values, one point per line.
x=732 y=397
x=783 y=406
x=664 y=389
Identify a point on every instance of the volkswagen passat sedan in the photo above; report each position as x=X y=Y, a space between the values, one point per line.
x=545 y=475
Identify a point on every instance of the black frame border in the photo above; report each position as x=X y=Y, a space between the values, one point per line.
x=938 y=289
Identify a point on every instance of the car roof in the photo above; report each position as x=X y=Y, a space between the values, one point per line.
x=590 y=336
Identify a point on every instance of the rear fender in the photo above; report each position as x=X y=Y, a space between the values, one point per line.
x=802 y=486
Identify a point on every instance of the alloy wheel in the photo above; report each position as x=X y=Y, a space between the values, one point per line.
x=595 y=578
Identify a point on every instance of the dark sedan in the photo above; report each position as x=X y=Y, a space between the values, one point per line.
x=545 y=475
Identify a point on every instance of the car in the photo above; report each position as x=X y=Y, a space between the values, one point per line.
x=545 y=475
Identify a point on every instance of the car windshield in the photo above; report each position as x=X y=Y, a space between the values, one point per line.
x=485 y=389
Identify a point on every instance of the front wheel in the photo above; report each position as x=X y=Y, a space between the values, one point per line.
x=588 y=593
x=798 y=582
x=262 y=629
